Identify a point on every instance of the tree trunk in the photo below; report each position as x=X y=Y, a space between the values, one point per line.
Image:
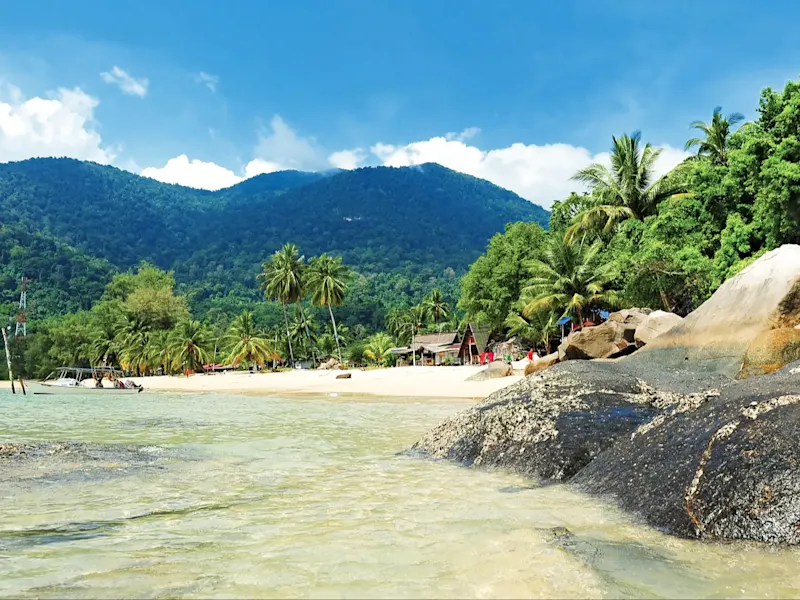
x=336 y=335
x=580 y=319
x=308 y=334
x=288 y=335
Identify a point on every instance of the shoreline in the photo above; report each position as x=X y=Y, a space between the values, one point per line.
x=397 y=382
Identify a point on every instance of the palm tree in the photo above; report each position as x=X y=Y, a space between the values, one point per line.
x=282 y=280
x=378 y=348
x=626 y=190
x=190 y=346
x=158 y=350
x=327 y=281
x=539 y=326
x=418 y=317
x=568 y=279
x=436 y=306
x=246 y=343
x=303 y=331
x=714 y=142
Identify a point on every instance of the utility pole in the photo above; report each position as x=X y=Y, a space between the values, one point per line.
x=8 y=359
x=22 y=312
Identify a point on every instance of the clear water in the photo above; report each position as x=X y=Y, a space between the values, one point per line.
x=306 y=498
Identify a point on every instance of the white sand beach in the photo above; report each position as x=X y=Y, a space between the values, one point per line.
x=412 y=382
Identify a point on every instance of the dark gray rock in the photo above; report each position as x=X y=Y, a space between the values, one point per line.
x=727 y=467
x=553 y=423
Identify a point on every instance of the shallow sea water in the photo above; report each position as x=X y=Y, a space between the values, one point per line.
x=258 y=496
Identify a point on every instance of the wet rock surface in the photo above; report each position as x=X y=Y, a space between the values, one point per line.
x=692 y=452
x=724 y=468
x=24 y=461
x=553 y=423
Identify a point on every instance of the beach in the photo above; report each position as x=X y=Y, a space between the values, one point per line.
x=409 y=382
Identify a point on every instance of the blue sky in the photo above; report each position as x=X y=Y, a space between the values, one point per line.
x=519 y=92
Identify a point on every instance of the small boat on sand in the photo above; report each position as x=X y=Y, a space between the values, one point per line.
x=88 y=381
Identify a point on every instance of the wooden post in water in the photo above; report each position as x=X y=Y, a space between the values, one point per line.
x=8 y=360
x=22 y=385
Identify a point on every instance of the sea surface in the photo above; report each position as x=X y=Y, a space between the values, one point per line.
x=268 y=497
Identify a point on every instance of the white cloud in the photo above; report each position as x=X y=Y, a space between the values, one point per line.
x=541 y=174
x=348 y=159
x=208 y=80
x=128 y=84
x=61 y=125
x=283 y=146
x=193 y=173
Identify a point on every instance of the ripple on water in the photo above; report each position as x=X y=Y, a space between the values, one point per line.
x=269 y=497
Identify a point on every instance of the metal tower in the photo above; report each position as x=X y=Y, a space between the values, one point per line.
x=22 y=313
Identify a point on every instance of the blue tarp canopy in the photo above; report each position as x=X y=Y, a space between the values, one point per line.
x=604 y=314
x=564 y=320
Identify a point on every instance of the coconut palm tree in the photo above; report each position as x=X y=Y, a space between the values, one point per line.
x=417 y=316
x=378 y=348
x=303 y=331
x=282 y=280
x=625 y=191
x=540 y=326
x=158 y=350
x=436 y=306
x=245 y=342
x=327 y=282
x=190 y=347
x=714 y=142
x=568 y=279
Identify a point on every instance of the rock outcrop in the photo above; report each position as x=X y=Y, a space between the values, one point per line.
x=669 y=432
x=495 y=369
x=329 y=364
x=716 y=336
x=656 y=323
x=613 y=338
x=719 y=467
x=552 y=424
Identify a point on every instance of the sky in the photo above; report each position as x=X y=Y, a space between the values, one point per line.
x=518 y=92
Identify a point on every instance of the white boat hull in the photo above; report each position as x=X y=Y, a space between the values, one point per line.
x=42 y=388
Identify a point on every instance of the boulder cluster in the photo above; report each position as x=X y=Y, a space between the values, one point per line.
x=696 y=431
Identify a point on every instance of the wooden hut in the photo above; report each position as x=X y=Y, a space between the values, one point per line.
x=474 y=342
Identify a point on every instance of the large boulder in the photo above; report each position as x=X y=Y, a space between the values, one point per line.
x=656 y=323
x=716 y=336
x=329 y=364
x=541 y=363
x=493 y=370
x=770 y=351
x=552 y=424
x=717 y=466
x=613 y=338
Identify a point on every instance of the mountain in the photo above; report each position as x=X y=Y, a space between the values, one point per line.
x=87 y=220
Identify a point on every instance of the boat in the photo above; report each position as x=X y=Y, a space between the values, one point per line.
x=84 y=381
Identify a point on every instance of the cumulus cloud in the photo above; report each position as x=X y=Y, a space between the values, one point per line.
x=126 y=83
x=283 y=146
x=208 y=80
x=193 y=173
x=540 y=174
x=278 y=149
x=62 y=124
x=348 y=159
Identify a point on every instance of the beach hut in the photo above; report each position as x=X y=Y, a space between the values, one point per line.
x=474 y=342
x=436 y=348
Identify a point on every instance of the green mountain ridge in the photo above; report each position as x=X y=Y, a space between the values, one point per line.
x=400 y=229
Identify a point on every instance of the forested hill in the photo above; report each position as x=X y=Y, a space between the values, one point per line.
x=63 y=220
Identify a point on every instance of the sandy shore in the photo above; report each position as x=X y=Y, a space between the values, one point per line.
x=412 y=382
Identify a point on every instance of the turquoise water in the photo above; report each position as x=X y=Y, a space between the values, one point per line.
x=248 y=496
